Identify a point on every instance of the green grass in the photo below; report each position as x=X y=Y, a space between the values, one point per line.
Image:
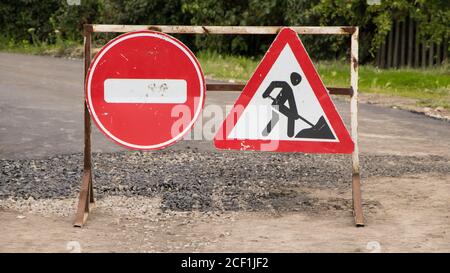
x=227 y=67
x=59 y=49
x=429 y=87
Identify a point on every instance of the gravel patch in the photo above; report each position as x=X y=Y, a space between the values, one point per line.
x=203 y=181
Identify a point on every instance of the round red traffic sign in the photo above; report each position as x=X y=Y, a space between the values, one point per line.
x=145 y=90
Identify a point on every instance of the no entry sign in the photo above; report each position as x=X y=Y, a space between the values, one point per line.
x=135 y=84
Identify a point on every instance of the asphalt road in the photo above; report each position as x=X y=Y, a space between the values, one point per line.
x=41 y=115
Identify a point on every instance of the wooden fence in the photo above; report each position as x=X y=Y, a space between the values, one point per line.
x=403 y=49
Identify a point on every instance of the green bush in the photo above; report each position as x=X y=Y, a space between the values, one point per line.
x=47 y=21
x=17 y=17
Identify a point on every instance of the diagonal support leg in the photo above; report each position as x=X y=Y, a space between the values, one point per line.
x=86 y=199
x=357 y=200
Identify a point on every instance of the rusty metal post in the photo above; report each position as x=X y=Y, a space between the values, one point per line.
x=356 y=177
x=86 y=198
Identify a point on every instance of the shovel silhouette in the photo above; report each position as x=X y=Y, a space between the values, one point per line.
x=319 y=130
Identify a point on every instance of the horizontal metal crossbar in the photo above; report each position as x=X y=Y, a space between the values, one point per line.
x=240 y=86
x=337 y=30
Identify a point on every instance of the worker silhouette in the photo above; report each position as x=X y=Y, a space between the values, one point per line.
x=286 y=95
x=320 y=130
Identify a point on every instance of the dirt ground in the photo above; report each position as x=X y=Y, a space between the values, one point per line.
x=407 y=214
x=404 y=104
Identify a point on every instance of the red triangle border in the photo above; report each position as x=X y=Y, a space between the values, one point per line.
x=345 y=144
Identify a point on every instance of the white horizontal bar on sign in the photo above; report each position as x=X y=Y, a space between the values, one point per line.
x=145 y=91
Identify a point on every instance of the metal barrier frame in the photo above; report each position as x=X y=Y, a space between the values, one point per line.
x=86 y=197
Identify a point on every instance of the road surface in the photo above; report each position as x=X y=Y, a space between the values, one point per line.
x=41 y=114
x=194 y=198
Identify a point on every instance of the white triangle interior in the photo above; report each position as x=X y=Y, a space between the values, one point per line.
x=258 y=112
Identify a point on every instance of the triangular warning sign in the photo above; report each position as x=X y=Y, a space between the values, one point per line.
x=285 y=107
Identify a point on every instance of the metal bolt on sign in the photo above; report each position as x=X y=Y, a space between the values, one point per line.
x=86 y=195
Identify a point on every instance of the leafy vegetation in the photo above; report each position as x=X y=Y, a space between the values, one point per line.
x=45 y=21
